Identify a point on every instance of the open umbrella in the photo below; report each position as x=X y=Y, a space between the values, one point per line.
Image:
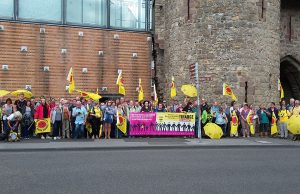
x=4 y=93
x=213 y=131
x=189 y=90
x=26 y=93
x=90 y=95
x=293 y=124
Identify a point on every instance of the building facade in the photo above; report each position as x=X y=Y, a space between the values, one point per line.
x=248 y=44
x=40 y=40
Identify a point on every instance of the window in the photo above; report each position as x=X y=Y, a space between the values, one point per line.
x=89 y=12
x=128 y=14
x=40 y=10
x=7 y=8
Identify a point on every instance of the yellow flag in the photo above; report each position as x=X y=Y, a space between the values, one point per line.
x=173 y=88
x=121 y=123
x=120 y=83
x=71 y=81
x=234 y=123
x=280 y=89
x=227 y=91
x=42 y=126
x=274 y=129
x=155 y=95
x=141 y=92
x=250 y=122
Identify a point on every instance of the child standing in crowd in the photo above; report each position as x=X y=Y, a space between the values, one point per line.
x=283 y=118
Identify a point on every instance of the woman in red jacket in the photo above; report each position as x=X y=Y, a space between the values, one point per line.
x=43 y=112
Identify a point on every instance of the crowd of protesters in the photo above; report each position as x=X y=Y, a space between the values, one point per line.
x=72 y=118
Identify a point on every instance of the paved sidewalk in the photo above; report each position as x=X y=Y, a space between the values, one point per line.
x=143 y=143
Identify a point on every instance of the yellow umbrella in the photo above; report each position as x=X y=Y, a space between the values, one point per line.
x=90 y=95
x=293 y=124
x=189 y=90
x=213 y=131
x=4 y=93
x=26 y=93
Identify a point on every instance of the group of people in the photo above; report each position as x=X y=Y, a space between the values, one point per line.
x=85 y=118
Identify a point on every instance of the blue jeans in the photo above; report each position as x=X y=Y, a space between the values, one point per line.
x=79 y=131
x=6 y=128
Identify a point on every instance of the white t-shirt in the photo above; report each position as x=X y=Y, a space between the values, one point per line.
x=11 y=117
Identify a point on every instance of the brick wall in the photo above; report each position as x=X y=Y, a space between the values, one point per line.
x=26 y=68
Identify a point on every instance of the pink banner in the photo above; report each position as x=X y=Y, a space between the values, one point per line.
x=142 y=124
x=162 y=124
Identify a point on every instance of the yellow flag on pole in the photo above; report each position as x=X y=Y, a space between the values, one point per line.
x=155 y=95
x=173 y=88
x=280 y=89
x=274 y=129
x=250 y=122
x=234 y=123
x=227 y=91
x=120 y=83
x=71 y=81
x=141 y=92
x=121 y=123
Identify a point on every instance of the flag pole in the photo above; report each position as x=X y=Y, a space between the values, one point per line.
x=198 y=101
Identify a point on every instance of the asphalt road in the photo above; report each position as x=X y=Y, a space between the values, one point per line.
x=246 y=170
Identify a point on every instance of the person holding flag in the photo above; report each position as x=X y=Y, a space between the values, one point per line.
x=70 y=79
x=120 y=83
x=227 y=91
x=42 y=112
x=173 y=89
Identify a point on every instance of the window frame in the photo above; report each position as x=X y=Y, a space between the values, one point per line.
x=64 y=22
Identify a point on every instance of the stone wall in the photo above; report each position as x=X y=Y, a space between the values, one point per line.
x=290 y=48
x=234 y=41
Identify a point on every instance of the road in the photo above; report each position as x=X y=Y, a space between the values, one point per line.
x=228 y=170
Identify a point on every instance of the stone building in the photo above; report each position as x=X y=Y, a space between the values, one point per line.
x=248 y=44
x=40 y=40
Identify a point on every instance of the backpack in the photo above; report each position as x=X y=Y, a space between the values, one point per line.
x=66 y=114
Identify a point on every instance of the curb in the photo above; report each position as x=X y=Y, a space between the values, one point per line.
x=158 y=147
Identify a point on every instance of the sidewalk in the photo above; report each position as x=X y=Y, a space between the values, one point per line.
x=143 y=143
